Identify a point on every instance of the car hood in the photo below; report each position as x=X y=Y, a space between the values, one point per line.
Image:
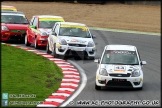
x=16 y=26
x=45 y=30
x=76 y=40
x=122 y=69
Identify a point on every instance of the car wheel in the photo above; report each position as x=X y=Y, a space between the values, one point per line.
x=47 y=49
x=54 y=52
x=97 y=87
x=36 y=44
x=26 y=41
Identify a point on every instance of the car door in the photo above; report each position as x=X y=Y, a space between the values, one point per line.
x=34 y=28
x=54 y=36
x=29 y=30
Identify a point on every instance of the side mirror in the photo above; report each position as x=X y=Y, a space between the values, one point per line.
x=54 y=33
x=143 y=62
x=93 y=36
x=34 y=27
x=97 y=60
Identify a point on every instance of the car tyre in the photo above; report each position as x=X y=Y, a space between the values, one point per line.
x=47 y=49
x=26 y=41
x=54 y=52
x=36 y=44
x=97 y=87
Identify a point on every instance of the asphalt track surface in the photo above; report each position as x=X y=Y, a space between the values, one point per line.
x=149 y=48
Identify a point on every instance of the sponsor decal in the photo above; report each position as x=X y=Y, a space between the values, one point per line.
x=51 y=19
x=84 y=28
x=119 y=68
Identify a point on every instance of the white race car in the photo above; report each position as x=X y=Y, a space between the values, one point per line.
x=69 y=38
x=120 y=66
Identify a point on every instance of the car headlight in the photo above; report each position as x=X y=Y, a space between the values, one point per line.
x=5 y=28
x=44 y=34
x=135 y=73
x=103 y=72
x=90 y=44
x=63 y=42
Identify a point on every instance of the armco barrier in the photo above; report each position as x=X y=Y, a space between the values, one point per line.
x=69 y=84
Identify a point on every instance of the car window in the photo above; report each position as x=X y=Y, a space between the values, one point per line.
x=56 y=29
x=48 y=22
x=14 y=19
x=31 y=21
x=35 y=22
x=120 y=57
x=74 y=31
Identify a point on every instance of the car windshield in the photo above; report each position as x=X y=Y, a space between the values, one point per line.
x=47 y=24
x=120 y=57
x=74 y=31
x=14 y=19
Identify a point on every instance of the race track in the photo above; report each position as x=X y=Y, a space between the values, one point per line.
x=149 y=49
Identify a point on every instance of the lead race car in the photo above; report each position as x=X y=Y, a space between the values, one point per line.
x=120 y=66
x=69 y=38
x=39 y=29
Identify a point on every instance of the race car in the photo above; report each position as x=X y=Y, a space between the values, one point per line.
x=70 y=38
x=120 y=66
x=13 y=26
x=39 y=28
x=8 y=8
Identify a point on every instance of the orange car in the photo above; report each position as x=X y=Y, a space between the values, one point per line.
x=8 y=8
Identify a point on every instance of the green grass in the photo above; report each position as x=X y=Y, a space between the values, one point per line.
x=24 y=72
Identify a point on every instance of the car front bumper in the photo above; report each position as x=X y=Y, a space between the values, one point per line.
x=7 y=35
x=131 y=82
x=66 y=50
x=42 y=41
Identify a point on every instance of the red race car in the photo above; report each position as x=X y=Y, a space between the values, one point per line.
x=13 y=26
x=39 y=29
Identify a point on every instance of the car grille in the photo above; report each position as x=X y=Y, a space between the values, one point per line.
x=15 y=37
x=21 y=31
x=113 y=83
x=77 y=45
x=120 y=75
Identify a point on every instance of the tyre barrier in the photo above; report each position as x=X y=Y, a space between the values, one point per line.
x=69 y=84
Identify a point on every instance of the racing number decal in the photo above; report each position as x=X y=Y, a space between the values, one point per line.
x=119 y=68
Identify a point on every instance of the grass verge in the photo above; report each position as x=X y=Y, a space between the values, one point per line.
x=24 y=72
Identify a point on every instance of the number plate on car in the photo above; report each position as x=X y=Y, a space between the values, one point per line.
x=78 y=49
x=119 y=80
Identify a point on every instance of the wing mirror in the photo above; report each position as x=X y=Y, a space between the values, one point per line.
x=97 y=61
x=93 y=36
x=143 y=62
x=54 y=33
x=34 y=27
